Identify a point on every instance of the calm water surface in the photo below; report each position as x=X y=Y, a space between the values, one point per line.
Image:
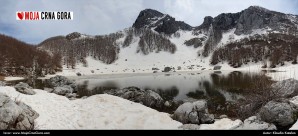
x=220 y=90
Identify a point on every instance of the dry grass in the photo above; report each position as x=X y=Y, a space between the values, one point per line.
x=2 y=78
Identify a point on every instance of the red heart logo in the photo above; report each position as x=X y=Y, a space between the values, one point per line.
x=21 y=15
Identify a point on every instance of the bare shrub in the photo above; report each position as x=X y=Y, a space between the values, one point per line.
x=256 y=97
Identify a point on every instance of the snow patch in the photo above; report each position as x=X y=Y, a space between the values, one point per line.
x=222 y=124
x=95 y=112
x=13 y=78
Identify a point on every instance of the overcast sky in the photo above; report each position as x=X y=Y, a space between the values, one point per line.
x=97 y=17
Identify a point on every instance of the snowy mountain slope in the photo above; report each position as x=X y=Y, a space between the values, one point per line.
x=157 y=40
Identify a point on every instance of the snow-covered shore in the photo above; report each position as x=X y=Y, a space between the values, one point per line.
x=104 y=112
x=96 y=112
x=97 y=68
x=13 y=78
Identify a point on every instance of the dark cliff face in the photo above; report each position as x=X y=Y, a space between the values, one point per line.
x=245 y=22
x=146 y=17
x=161 y=23
x=257 y=18
x=206 y=24
x=249 y=19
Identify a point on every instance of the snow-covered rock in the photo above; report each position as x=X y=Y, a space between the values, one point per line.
x=253 y=123
x=222 y=124
x=62 y=86
x=101 y=111
x=24 y=88
x=294 y=101
x=15 y=115
x=279 y=112
x=59 y=81
x=2 y=83
x=63 y=90
x=146 y=97
x=287 y=87
x=194 y=113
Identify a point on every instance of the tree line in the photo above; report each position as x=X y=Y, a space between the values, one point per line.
x=272 y=50
x=18 y=58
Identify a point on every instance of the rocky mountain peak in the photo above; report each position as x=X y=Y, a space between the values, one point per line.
x=206 y=24
x=73 y=35
x=257 y=8
x=162 y=23
x=256 y=17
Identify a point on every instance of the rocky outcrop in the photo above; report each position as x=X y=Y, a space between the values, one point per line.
x=73 y=35
x=254 y=123
x=286 y=88
x=16 y=115
x=195 y=42
x=280 y=112
x=146 y=97
x=256 y=17
x=161 y=23
x=206 y=24
x=24 y=88
x=194 y=113
x=59 y=81
x=245 y=22
x=62 y=86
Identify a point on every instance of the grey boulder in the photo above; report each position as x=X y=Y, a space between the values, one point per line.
x=59 y=81
x=146 y=97
x=62 y=85
x=16 y=115
x=63 y=90
x=280 y=112
x=194 y=113
x=254 y=123
x=286 y=88
x=24 y=88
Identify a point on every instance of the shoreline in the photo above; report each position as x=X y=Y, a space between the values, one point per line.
x=281 y=73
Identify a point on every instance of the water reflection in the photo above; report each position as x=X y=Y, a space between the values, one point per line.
x=220 y=89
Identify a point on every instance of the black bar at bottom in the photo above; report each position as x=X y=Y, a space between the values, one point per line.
x=150 y=132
